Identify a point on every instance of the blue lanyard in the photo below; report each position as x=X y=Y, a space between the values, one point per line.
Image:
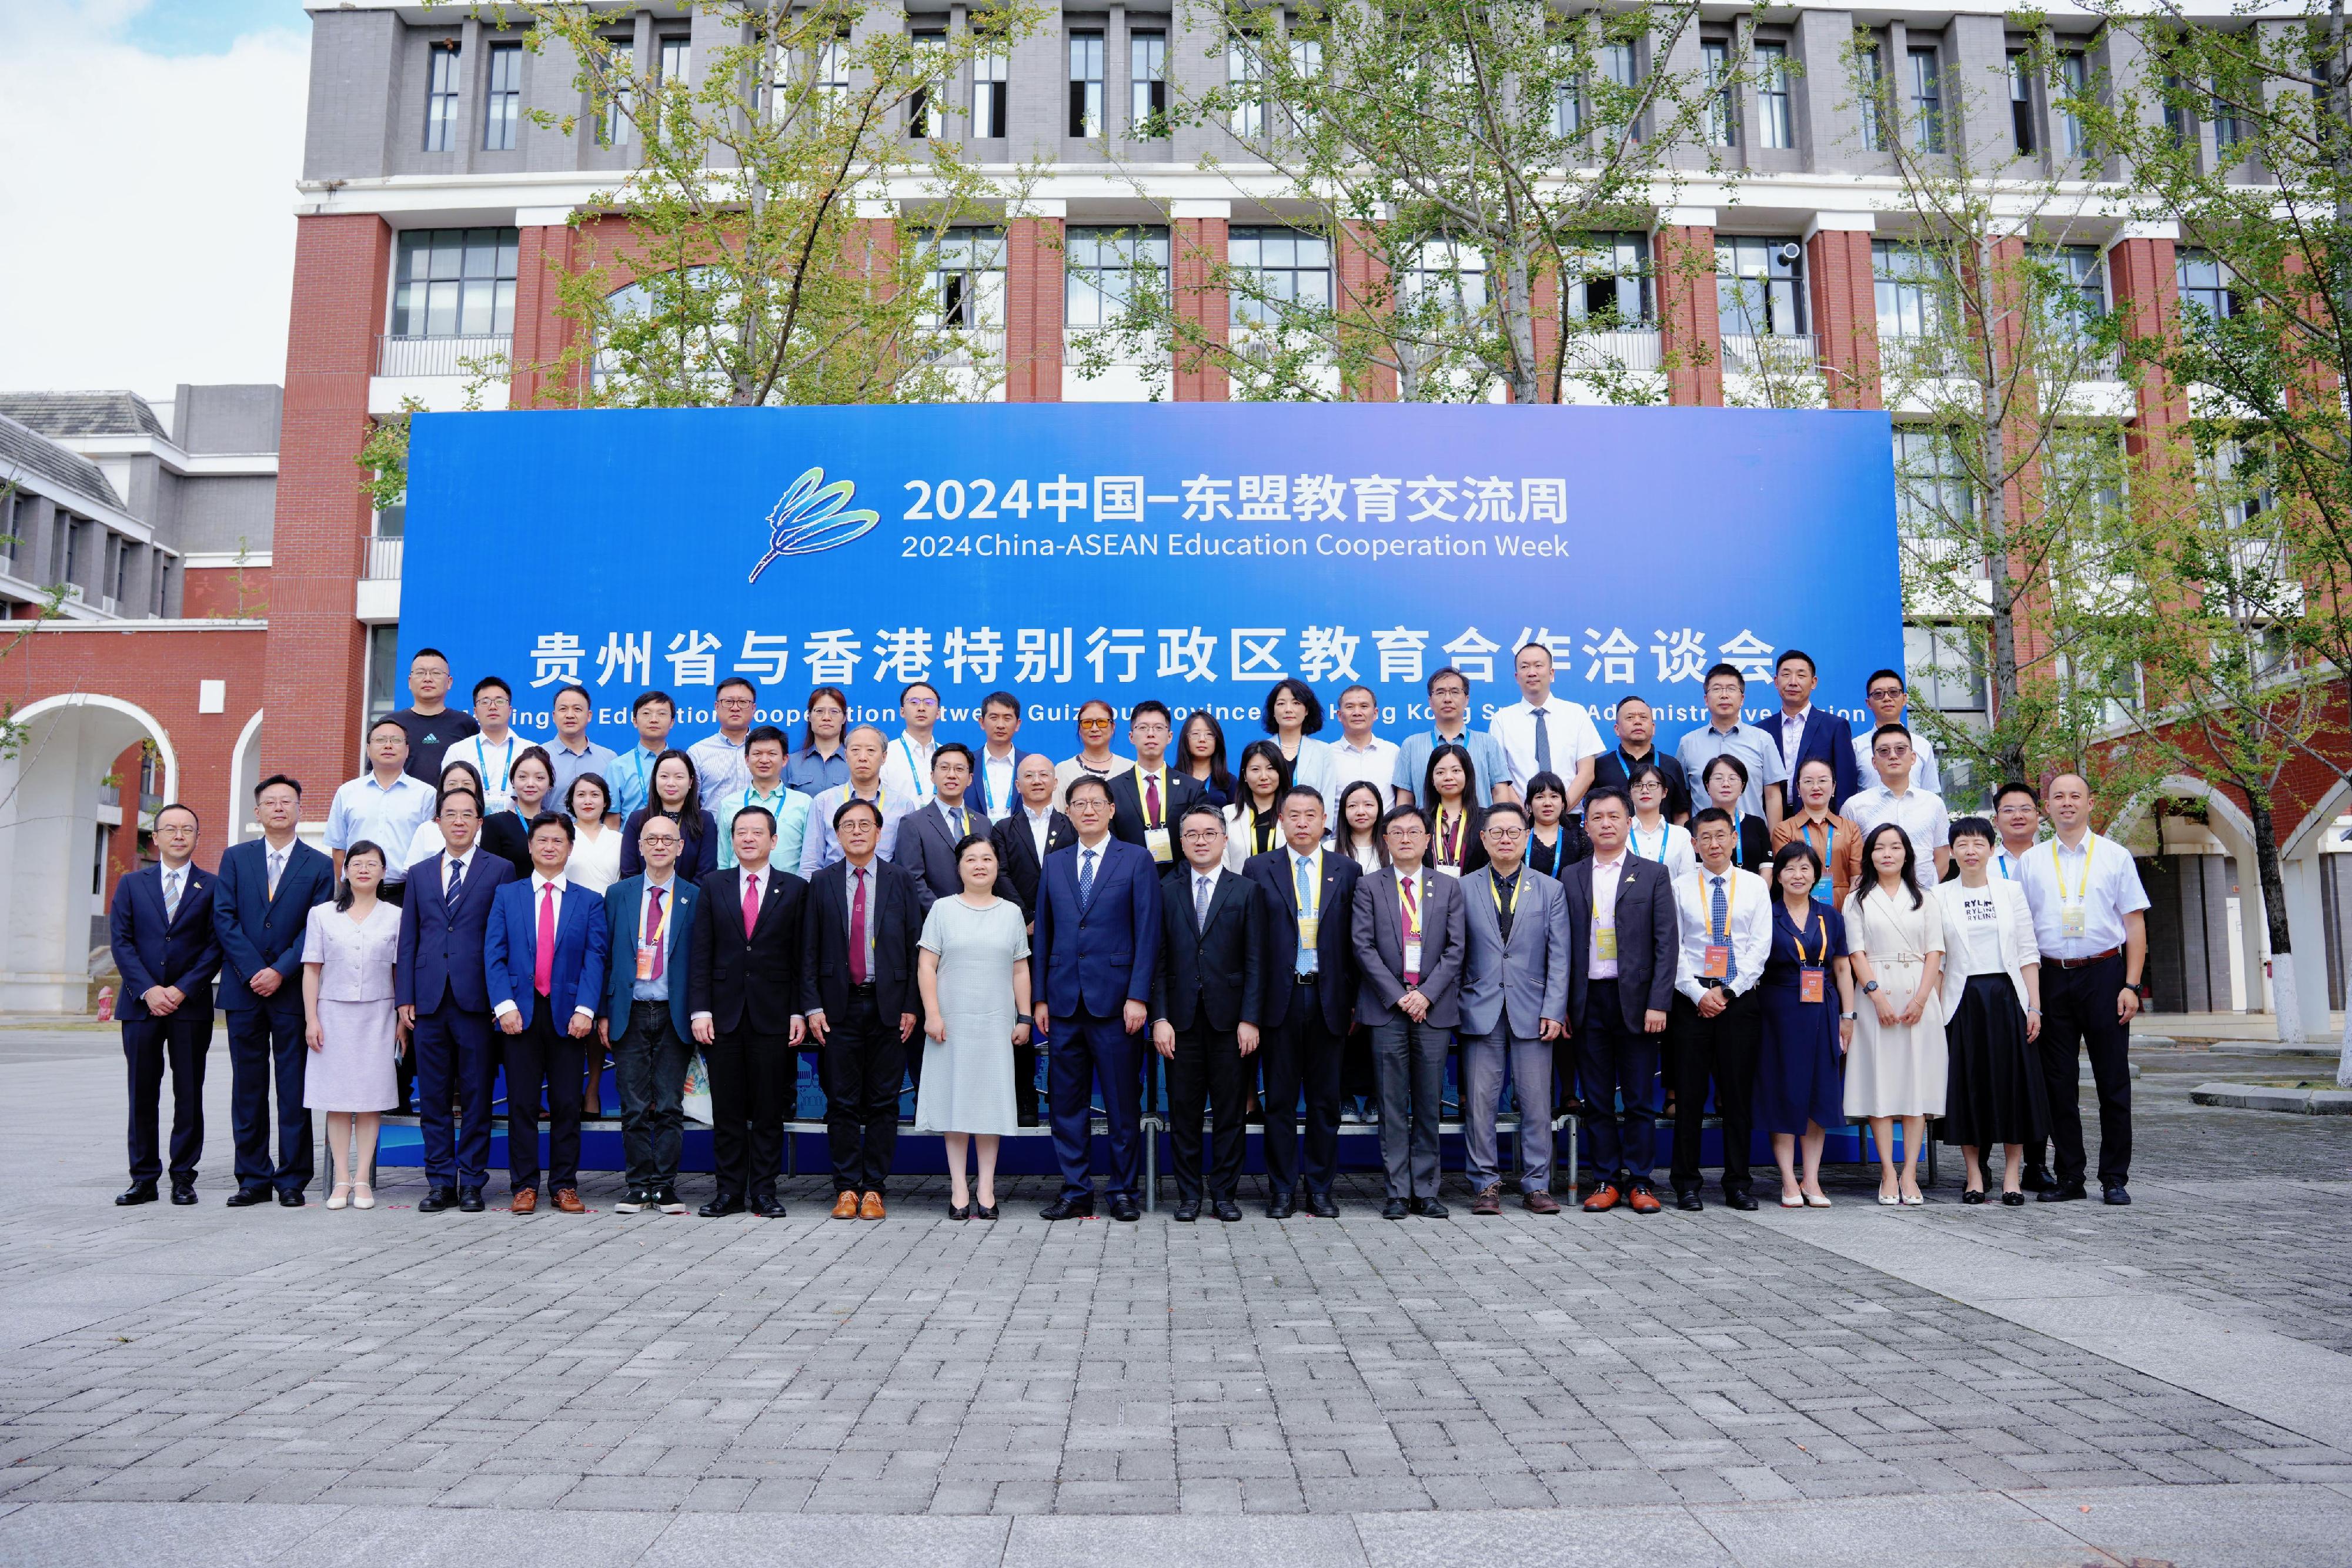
x=987 y=791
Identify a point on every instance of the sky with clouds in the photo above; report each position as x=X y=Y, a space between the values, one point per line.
x=148 y=155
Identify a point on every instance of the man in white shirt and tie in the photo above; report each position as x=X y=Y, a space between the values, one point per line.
x=1716 y=1022
x=907 y=765
x=160 y=926
x=1206 y=998
x=1920 y=815
x=1544 y=734
x=545 y=959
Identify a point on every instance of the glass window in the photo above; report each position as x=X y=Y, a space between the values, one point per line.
x=1100 y=269
x=1246 y=118
x=1288 y=269
x=2074 y=82
x=2082 y=271
x=454 y=283
x=2205 y=286
x=1942 y=669
x=967 y=280
x=1609 y=279
x=988 y=94
x=1622 y=66
x=1871 y=67
x=1933 y=498
x=2021 y=101
x=1722 y=109
x=1086 y=84
x=2177 y=124
x=502 y=101
x=1147 y=71
x=2229 y=128
x=1759 y=286
x=1775 y=124
x=621 y=107
x=1906 y=281
x=923 y=104
x=1447 y=276
x=441 y=99
x=1927 y=101
x=384 y=667
x=1306 y=64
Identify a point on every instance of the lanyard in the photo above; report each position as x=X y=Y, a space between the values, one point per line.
x=1494 y=888
x=483 y=759
x=1450 y=830
x=988 y=795
x=906 y=748
x=1798 y=939
x=1634 y=835
x=2090 y=841
x=668 y=896
x=1151 y=818
x=1829 y=843
x=1409 y=906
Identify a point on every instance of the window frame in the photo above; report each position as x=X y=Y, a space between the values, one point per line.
x=990 y=94
x=1085 y=53
x=1245 y=313
x=1129 y=240
x=1776 y=124
x=1147 y=84
x=413 y=296
x=1927 y=98
x=444 y=92
x=502 y=98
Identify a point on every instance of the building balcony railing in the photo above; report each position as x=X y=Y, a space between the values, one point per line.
x=1633 y=348
x=108 y=605
x=383 y=559
x=1780 y=354
x=486 y=354
x=964 y=346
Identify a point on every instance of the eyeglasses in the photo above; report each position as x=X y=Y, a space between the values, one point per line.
x=1094 y=723
x=1887 y=691
x=1502 y=835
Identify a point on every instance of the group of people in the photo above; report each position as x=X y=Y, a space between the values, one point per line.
x=1741 y=926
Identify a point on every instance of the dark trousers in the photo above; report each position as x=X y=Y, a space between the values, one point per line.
x=543 y=1055
x=455 y=1061
x=751 y=1088
x=183 y=1040
x=2078 y=1007
x=1086 y=1049
x=649 y=1062
x=1409 y=1058
x=266 y=1050
x=393 y=893
x=1204 y=1076
x=864 y=1066
x=1025 y=1084
x=1721 y=1051
x=1301 y=1052
x=1614 y=1062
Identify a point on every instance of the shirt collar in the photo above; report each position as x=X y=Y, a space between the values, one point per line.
x=664 y=885
x=1037 y=814
x=558 y=882
x=1800 y=716
x=466 y=861
x=1624 y=851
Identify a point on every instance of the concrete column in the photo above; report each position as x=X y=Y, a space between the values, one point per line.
x=540 y=335
x=1844 y=306
x=1033 y=308
x=1689 y=327
x=1200 y=230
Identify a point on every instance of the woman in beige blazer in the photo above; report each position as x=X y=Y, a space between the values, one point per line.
x=1992 y=1013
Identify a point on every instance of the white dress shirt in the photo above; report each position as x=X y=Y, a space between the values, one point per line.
x=451 y=865
x=542 y=883
x=2008 y=866
x=1041 y=827
x=1204 y=888
x=999 y=781
x=491 y=760
x=1920 y=815
x=1749 y=899
x=1375 y=762
x=1925 y=774
x=1605 y=914
x=1669 y=845
x=906 y=768
x=1573 y=737
x=2098 y=877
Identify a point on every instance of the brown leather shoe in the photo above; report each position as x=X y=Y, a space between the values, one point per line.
x=1540 y=1202
x=569 y=1201
x=872 y=1207
x=845 y=1207
x=1643 y=1200
x=525 y=1201
x=1489 y=1199
x=1604 y=1198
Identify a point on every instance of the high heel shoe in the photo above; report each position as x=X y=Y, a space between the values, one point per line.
x=1792 y=1200
x=1815 y=1200
x=362 y=1196
x=959 y=1211
x=1890 y=1199
x=2012 y=1200
x=1973 y=1195
x=1912 y=1199
x=985 y=1211
x=340 y=1196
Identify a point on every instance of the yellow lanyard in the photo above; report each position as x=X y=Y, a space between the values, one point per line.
x=1310 y=893
x=1731 y=898
x=1449 y=837
x=1494 y=888
x=1798 y=939
x=2058 y=872
x=1411 y=891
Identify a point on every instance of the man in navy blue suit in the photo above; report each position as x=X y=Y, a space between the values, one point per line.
x=161 y=927
x=1098 y=938
x=544 y=959
x=1803 y=732
x=261 y=911
x=442 y=986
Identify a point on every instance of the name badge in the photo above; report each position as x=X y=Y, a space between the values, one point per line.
x=1310 y=928
x=2072 y=921
x=1718 y=961
x=1156 y=841
x=1824 y=890
x=646 y=954
x=1604 y=941
x=1412 y=959
x=1810 y=983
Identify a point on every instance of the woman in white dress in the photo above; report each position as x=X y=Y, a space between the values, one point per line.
x=974 y=974
x=596 y=863
x=1897 y=1068
x=350 y=1025
x=1651 y=836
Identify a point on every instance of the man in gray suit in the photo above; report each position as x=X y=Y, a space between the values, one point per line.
x=1408 y=940
x=927 y=836
x=1513 y=1004
x=1623 y=937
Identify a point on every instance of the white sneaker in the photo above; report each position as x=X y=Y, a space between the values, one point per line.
x=633 y=1204
x=671 y=1206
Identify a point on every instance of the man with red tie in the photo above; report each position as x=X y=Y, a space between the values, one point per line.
x=857 y=989
x=543 y=954
x=743 y=1003
x=1149 y=799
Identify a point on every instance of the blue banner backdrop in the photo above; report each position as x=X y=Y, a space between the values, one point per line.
x=1192 y=552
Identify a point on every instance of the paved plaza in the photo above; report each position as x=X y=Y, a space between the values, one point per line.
x=2071 y=1383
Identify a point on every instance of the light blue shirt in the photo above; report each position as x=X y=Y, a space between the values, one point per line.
x=1757 y=752
x=631 y=777
x=624 y=944
x=789 y=807
x=388 y=818
x=1486 y=759
x=820 y=849
x=569 y=766
x=718 y=764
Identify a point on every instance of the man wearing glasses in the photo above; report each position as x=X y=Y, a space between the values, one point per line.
x=907 y=764
x=1887 y=695
x=1205 y=1007
x=719 y=759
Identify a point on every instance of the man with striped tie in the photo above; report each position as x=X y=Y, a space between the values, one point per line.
x=1717 y=1023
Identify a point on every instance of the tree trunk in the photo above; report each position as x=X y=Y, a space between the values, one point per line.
x=2273 y=885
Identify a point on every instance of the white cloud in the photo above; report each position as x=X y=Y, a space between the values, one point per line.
x=146 y=202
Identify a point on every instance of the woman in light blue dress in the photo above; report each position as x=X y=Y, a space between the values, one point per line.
x=975 y=978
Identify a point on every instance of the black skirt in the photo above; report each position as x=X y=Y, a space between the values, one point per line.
x=1996 y=1093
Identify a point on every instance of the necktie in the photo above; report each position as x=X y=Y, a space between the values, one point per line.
x=277 y=869
x=857 y=930
x=653 y=929
x=1543 y=741
x=456 y=885
x=1719 y=922
x=1086 y=879
x=751 y=903
x=1411 y=895
x=1306 y=896
x=957 y=817
x=1200 y=900
x=170 y=897
x=543 y=971
x=1152 y=798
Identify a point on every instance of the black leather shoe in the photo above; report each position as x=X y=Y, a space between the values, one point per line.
x=1285 y=1206
x=469 y=1201
x=246 y=1196
x=1972 y=1196
x=1395 y=1209
x=1069 y=1208
x=2071 y=1193
x=770 y=1207
x=1228 y=1210
x=1187 y=1211
x=721 y=1208
x=1321 y=1206
x=290 y=1198
x=2038 y=1180
x=1743 y=1201
x=439 y=1200
x=137 y=1192
x=2116 y=1195
x=183 y=1194
x=1123 y=1209
x=1689 y=1202
x=2013 y=1200
x=1429 y=1209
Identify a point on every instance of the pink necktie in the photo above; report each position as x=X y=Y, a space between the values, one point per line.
x=542 y=975
x=858 y=932
x=653 y=930
x=751 y=903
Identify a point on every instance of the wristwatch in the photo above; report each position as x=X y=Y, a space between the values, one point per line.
x=1869 y=986
x=1850 y=1018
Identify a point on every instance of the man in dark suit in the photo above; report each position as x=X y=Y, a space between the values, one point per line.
x=441 y=986
x=1623 y=936
x=1150 y=799
x=643 y=1018
x=857 y=989
x=1091 y=957
x=1034 y=829
x=1408 y=937
x=261 y=911
x=1309 y=1000
x=1205 y=1005
x=1820 y=733
x=544 y=959
x=928 y=837
x=744 y=1001
x=1514 y=1000
x=160 y=926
